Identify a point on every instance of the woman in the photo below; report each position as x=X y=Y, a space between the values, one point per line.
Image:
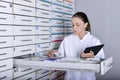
x=72 y=46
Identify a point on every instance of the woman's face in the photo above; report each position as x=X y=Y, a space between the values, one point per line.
x=78 y=25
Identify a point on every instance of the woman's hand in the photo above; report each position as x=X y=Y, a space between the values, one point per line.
x=87 y=55
x=51 y=53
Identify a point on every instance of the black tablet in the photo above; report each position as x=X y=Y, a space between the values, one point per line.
x=95 y=49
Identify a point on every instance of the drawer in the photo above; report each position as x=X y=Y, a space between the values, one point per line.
x=67 y=17
x=42 y=73
x=7 y=0
x=26 y=2
x=30 y=76
x=23 y=10
x=43 y=5
x=67 y=23
x=5 y=7
x=91 y=64
x=68 y=11
x=42 y=30
x=43 y=13
x=57 y=8
x=23 y=40
x=55 y=44
x=68 y=30
x=23 y=50
x=6 y=53
x=43 y=22
x=6 y=30
x=21 y=71
x=6 y=64
x=4 y=75
x=42 y=38
x=42 y=47
x=57 y=37
x=68 y=4
x=60 y=2
x=56 y=22
x=55 y=75
x=23 y=20
x=57 y=30
x=6 y=19
x=24 y=30
x=6 y=41
x=57 y=15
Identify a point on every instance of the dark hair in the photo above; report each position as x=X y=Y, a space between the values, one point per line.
x=84 y=18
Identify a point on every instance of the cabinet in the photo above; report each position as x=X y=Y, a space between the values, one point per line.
x=32 y=27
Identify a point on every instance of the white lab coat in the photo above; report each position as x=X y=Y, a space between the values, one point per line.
x=71 y=47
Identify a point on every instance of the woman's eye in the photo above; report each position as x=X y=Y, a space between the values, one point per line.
x=78 y=25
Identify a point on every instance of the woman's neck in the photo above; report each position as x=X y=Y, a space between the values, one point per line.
x=81 y=35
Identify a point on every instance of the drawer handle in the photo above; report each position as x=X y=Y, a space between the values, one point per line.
x=3 y=18
x=58 y=37
x=59 y=22
x=27 y=1
x=26 y=10
x=3 y=77
x=3 y=54
x=2 y=6
x=44 y=72
x=3 y=42
x=45 y=13
x=29 y=78
x=69 y=4
x=59 y=30
x=26 y=70
x=69 y=17
x=26 y=20
x=3 y=66
x=109 y=65
x=3 y=30
x=59 y=8
x=44 y=38
x=44 y=30
x=45 y=47
x=58 y=16
x=69 y=11
x=45 y=5
x=59 y=1
x=26 y=50
x=26 y=30
x=26 y=40
x=44 y=21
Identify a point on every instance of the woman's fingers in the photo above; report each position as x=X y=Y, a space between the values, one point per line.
x=91 y=54
x=87 y=55
x=83 y=55
x=51 y=53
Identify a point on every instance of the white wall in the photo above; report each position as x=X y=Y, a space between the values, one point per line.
x=104 y=16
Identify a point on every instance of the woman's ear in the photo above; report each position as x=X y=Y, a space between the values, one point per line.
x=86 y=24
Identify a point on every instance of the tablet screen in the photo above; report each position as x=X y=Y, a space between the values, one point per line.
x=95 y=49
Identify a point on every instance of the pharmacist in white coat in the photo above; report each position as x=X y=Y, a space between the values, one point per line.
x=72 y=46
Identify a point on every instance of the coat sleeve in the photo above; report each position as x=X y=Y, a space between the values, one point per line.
x=61 y=49
x=101 y=52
